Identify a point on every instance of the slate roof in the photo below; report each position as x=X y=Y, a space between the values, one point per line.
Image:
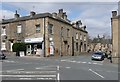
x=36 y=16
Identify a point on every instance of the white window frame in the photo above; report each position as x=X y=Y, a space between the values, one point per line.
x=76 y=36
x=3 y=30
x=84 y=38
x=80 y=36
x=3 y=46
x=38 y=29
x=19 y=29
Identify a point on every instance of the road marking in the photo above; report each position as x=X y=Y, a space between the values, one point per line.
x=73 y=61
x=44 y=78
x=89 y=63
x=68 y=67
x=58 y=77
x=29 y=72
x=96 y=73
x=58 y=68
x=28 y=75
x=9 y=61
x=20 y=69
x=83 y=62
x=25 y=78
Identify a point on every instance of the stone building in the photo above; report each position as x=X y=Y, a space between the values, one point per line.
x=48 y=33
x=115 y=24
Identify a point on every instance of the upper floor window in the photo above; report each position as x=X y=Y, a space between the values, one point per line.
x=68 y=32
x=77 y=36
x=80 y=36
x=62 y=31
x=3 y=30
x=19 y=29
x=50 y=28
x=38 y=28
x=84 y=38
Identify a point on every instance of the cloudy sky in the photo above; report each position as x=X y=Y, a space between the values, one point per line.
x=95 y=15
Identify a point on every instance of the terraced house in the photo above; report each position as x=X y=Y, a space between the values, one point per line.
x=45 y=34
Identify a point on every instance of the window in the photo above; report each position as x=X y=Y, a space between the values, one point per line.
x=77 y=36
x=38 y=28
x=19 y=29
x=3 y=31
x=3 y=47
x=77 y=46
x=50 y=29
x=68 y=33
x=84 y=38
x=62 y=31
x=80 y=36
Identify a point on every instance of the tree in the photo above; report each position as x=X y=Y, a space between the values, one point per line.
x=17 y=47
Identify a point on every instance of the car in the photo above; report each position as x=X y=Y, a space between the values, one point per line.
x=98 y=56
x=2 y=56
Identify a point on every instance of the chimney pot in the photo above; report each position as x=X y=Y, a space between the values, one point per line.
x=32 y=13
x=114 y=13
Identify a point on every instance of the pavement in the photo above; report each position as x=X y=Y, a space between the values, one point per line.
x=58 y=68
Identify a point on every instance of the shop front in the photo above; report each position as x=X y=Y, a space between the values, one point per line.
x=35 y=46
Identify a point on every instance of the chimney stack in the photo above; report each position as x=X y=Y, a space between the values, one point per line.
x=83 y=28
x=64 y=16
x=78 y=24
x=60 y=14
x=32 y=13
x=114 y=13
x=16 y=15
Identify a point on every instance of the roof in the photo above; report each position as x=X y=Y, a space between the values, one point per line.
x=36 y=16
x=25 y=18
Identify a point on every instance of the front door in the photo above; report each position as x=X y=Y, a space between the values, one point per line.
x=28 y=49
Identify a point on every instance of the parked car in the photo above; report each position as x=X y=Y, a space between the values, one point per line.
x=98 y=56
x=2 y=56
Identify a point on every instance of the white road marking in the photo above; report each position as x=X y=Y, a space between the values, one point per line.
x=96 y=73
x=83 y=62
x=28 y=75
x=9 y=61
x=73 y=61
x=58 y=77
x=58 y=68
x=68 y=67
x=44 y=78
x=30 y=72
x=20 y=69
x=89 y=63
x=25 y=78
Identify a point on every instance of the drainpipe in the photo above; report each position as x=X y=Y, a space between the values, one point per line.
x=44 y=38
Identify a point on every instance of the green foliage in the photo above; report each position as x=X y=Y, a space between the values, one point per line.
x=19 y=47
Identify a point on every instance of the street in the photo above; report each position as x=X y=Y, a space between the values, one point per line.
x=58 y=68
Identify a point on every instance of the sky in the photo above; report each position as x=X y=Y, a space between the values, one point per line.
x=95 y=15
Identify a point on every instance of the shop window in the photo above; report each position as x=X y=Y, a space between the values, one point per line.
x=38 y=28
x=39 y=46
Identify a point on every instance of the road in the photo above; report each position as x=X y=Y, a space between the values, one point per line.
x=58 y=68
